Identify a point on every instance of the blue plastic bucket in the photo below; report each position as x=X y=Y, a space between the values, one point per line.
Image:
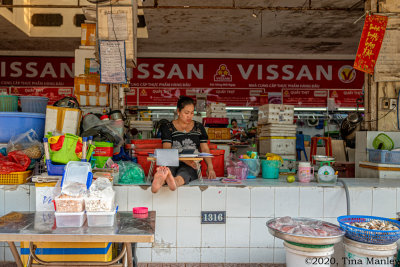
x=34 y=104
x=15 y=123
x=270 y=169
x=254 y=167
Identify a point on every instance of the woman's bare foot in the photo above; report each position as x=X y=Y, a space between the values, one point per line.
x=170 y=180
x=159 y=179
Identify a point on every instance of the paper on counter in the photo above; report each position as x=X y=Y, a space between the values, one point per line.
x=167 y=157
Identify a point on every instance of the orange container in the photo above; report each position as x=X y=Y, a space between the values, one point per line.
x=218 y=163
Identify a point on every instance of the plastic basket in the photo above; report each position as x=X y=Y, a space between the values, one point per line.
x=34 y=104
x=384 y=156
x=384 y=141
x=8 y=103
x=67 y=151
x=15 y=177
x=368 y=236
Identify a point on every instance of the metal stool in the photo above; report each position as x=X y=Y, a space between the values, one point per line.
x=314 y=145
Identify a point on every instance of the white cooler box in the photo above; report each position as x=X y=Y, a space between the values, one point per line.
x=379 y=170
x=277 y=145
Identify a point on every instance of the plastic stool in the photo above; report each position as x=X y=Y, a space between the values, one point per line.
x=300 y=146
x=314 y=145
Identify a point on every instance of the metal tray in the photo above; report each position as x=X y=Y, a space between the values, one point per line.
x=311 y=240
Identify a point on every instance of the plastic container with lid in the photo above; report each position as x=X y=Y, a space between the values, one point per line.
x=69 y=204
x=70 y=219
x=79 y=172
x=101 y=218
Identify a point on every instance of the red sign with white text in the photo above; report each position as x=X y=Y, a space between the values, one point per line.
x=305 y=98
x=273 y=75
x=346 y=98
x=53 y=94
x=36 y=71
x=169 y=97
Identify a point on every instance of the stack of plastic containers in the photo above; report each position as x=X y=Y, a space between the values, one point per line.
x=70 y=204
x=100 y=204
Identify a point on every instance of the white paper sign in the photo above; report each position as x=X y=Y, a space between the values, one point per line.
x=117 y=26
x=112 y=62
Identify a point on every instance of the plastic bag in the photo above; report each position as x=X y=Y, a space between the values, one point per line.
x=130 y=173
x=101 y=196
x=73 y=189
x=28 y=143
x=16 y=161
x=236 y=168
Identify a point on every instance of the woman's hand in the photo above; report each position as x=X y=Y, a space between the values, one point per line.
x=211 y=174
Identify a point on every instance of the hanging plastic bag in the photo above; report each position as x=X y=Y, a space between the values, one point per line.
x=28 y=143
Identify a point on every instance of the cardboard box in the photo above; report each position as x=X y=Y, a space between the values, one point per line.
x=90 y=92
x=63 y=120
x=88 y=34
x=219 y=133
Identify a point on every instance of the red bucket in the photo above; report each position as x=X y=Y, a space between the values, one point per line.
x=147 y=143
x=142 y=161
x=218 y=162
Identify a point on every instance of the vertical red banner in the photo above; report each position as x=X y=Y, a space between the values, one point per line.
x=370 y=43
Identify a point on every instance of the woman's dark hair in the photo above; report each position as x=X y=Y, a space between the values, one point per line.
x=233 y=120
x=183 y=102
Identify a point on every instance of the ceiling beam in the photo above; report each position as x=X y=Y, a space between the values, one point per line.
x=233 y=7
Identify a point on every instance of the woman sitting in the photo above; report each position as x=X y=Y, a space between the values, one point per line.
x=183 y=133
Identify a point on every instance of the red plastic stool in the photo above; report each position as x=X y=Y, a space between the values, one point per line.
x=314 y=145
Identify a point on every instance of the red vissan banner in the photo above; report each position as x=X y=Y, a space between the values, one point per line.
x=305 y=97
x=272 y=75
x=169 y=97
x=346 y=98
x=53 y=94
x=370 y=43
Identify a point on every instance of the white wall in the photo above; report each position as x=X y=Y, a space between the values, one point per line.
x=180 y=236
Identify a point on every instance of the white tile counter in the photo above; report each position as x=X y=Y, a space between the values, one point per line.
x=180 y=236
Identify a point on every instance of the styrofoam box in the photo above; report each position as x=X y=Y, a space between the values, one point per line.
x=275 y=113
x=216 y=105
x=44 y=196
x=101 y=218
x=216 y=115
x=278 y=146
x=216 y=109
x=70 y=219
x=80 y=56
